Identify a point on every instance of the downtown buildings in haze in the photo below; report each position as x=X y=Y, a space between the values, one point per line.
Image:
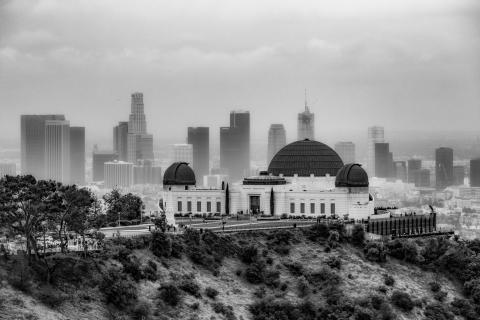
x=306 y=124
x=443 y=167
x=277 y=139
x=346 y=151
x=199 y=139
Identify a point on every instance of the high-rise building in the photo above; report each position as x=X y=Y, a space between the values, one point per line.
x=145 y=172
x=77 y=155
x=118 y=174
x=277 y=139
x=306 y=124
x=57 y=150
x=443 y=167
x=375 y=135
x=99 y=158
x=199 y=138
x=235 y=146
x=475 y=172
x=400 y=170
x=383 y=160
x=181 y=152
x=346 y=151
x=421 y=178
x=33 y=143
x=8 y=169
x=413 y=165
x=139 y=142
x=120 y=140
x=458 y=175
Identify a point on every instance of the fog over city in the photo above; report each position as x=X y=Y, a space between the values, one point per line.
x=410 y=66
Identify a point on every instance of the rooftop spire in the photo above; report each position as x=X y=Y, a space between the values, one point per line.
x=306 y=105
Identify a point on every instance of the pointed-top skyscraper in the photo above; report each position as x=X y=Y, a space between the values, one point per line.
x=306 y=123
x=139 y=143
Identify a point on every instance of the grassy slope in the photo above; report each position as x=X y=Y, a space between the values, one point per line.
x=360 y=278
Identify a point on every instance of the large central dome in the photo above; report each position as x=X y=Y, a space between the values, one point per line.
x=304 y=158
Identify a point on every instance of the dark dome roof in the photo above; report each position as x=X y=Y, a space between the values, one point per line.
x=304 y=158
x=351 y=175
x=179 y=173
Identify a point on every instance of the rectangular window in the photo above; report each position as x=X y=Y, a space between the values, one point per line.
x=199 y=206
x=302 y=207
x=189 y=206
x=332 y=208
x=219 y=206
x=179 y=204
x=292 y=207
x=312 y=208
x=322 y=208
x=209 y=206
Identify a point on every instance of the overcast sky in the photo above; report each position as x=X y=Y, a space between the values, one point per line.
x=406 y=64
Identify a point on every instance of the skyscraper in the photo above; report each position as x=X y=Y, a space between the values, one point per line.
x=145 y=172
x=199 y=138
x=421 y=178
x=306 y=124
x=77 y=155
x=443 y=167
x=181 y=152
x=475 y=172
x=57 y=150
x=383 y=160
x=120 y=138
x=33 y=143
x=346 y=151
x=458 y=175
x=139 y=143
x=235 y=146
x=375 y=135
x=400 y=170
x=413 y=165
x=99 y=158
x=277 y=139
x=118 y=174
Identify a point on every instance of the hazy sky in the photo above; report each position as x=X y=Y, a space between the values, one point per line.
x=406 y=64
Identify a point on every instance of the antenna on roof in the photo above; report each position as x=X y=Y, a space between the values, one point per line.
x=306 y=105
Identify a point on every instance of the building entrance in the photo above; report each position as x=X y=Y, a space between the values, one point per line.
x=255 y=204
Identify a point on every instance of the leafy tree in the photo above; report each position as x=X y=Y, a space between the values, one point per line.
x=161 y=223
x=128 y=206
x=358 y=235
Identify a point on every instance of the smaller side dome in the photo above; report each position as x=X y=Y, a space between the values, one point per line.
x=179 y=173
x=351 y=175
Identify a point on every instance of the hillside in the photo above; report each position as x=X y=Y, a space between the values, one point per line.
x=290 y=274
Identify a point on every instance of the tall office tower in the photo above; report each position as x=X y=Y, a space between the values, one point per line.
x=33 y=143
x=120 y=138
x=346 y=151
x=400 y=170
x=118 y=174
x=57 y=150
x=181 y=152
x=99 y=158
x=383 y=160
x=139 y=142
x=145 y=172
x=306 y=123
x=7 y=169
x=475 y=172
x=421 y=178
x=375 y=135
x=413 y=165
x=235 y=146
x=443 y=167
x=458 y=175
x=77 y=155
x=199 y=138
x=277 y=139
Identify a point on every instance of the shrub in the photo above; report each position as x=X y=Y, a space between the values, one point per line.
x=51 y=297
x=271 y=278
x=118 y=289
x=334 y=262
x=254 y=272
x=161 y=244
x=223 y=309
x=464 y=308
x=131 y=266
x=296 y=268
x=266 y=309
x=324 y=277
x=282 y=249
x=150 y=271
x=388 y=280
x=472 y=289
x=211 y=292
x=190 y=286
x=170 y=294
x=318 y=231
x=436 y=311
x=375 y=251
x=440 y=295
x=402 y=300
x=358 y=235
x=248 y=254
x=260 y=292
x=434 y=286
x=142 y=310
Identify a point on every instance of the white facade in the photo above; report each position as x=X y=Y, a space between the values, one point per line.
x=57 y=150
x=375 y=135
x=8 y=169
x=118 y=174
x=181 y=152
